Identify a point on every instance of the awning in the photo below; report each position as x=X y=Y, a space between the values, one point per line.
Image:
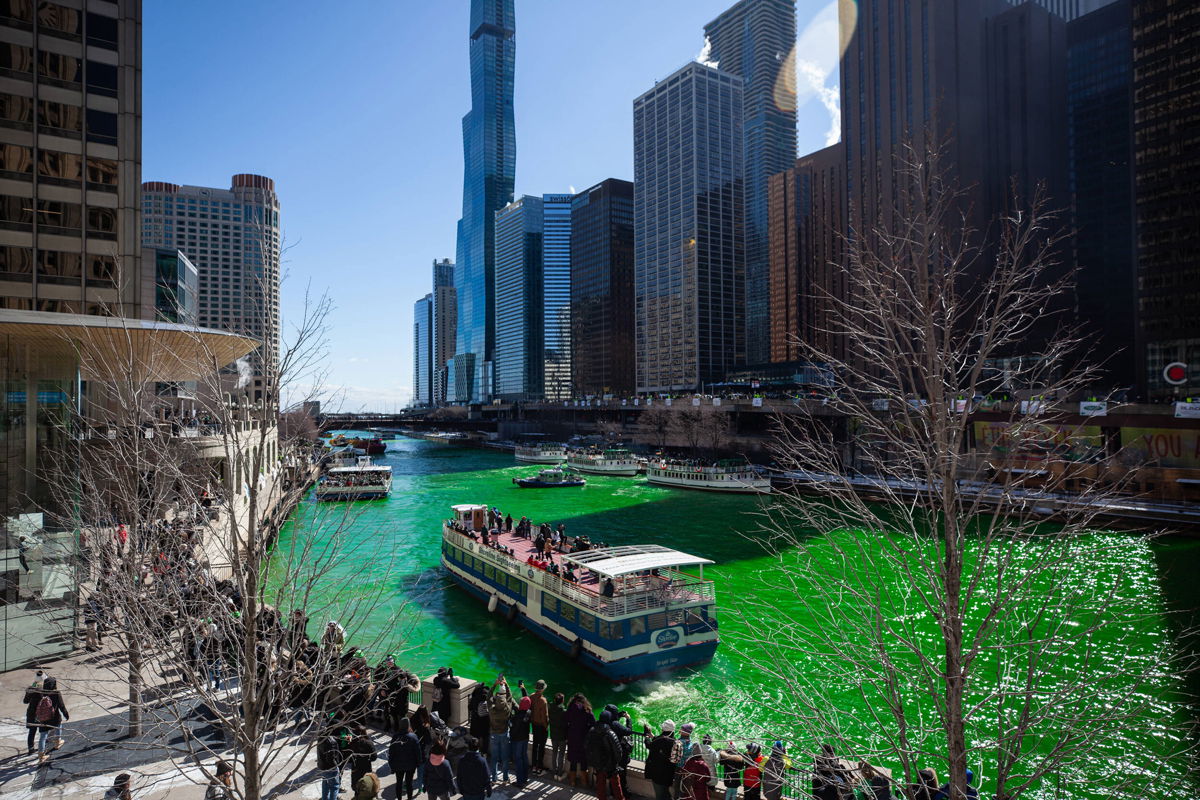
x=109 y=347
x=615 y=561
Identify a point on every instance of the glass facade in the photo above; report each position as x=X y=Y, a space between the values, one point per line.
x=556 y=296
x=176 y=287
x=602 y=319
x=1100 y=141
x=423 y=352
x=445 y=323
x=489 y=167
x=519 y=300
x=756 y=40
x=689 y=238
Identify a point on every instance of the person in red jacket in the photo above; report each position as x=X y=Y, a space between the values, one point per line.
x=696 y=776
x=752 y=774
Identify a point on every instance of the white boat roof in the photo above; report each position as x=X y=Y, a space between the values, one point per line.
x=372 y=468
x=615 y=561
x=468 y=507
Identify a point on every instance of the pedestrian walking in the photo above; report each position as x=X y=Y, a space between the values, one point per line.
x=558 y=735
x=662 y=757
x=579 y=721
x=474 y=779
x=539 y=718
x=45 y=706
x=404 y=756
x=219 y=785
x=439 y=780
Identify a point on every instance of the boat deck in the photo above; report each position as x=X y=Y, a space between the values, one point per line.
x=523 y=548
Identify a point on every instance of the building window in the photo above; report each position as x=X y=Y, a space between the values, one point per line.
x=60 y=167
x=102 y=78
x=15 y=57
x=101 y=173
x=102 y=31
x=53 y=18
x=16 y=264
x=102 y=222
x=20 y=10
x=56 y=267
x=101 y=126
x=14 y=108
x=15 y=159
x=101 y=270
x=57 y=68
x=60 y=117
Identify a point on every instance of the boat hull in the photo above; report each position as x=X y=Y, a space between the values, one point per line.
x=374 y=494
x=540 y=459
x=644 y=665
x=530 y=483
x=623 y=471
x=758 y=486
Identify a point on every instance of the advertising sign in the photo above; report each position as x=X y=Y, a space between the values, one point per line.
x=668 y=638
x=1164 y=447
x=1033 y=406
x=1038 y=442
x=1093 y=408
x=879 y=404
x=756 y=402
x=1175 y=373
x=958 y=405
x=1188 y=410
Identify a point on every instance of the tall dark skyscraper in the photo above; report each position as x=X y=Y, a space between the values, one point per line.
x=754 y=40
x=688 y=218
x=1100 y=142
x=1166 y=60
x=602 y=289
x=489 y=171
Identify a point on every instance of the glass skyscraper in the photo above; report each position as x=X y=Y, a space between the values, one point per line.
x=423 y=352
x=489 y=167
x=519 y=340
x=556 y=295
x=754 y=40
x=688 y=217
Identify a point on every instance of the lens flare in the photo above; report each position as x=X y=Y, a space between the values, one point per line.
x=805 y=72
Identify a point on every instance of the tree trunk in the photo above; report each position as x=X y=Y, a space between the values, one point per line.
x=134 y=652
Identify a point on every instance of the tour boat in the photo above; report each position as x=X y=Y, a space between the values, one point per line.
x=631 y=613
x=724 y=476
x=612 y=461
x=541 y=453
x=374 y=446
x=363 y=481
x=342 y=457
x=552 y=478
x=339 y=440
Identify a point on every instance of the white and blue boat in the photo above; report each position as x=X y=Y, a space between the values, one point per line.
x=631 y=612
x=363 y=481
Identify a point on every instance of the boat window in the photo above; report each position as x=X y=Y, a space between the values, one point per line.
x=567 y=612
x=587 y=622
x=550 y=603
x=489 y=571
x=657 y=621
x=637 y=626
x=675 y=618
x=611 y=630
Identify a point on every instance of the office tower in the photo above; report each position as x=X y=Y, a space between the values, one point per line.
x=807 y=226
x=1100 y=140
x=232 y=236
x=556 y=296
x=1069 y=9
x=445 y=323
x=1166 y=107
x=689 y=237
x=755 y=40
x=170 y=287
x=489 y=158
x=602 y=319
x=423 y=352
x=1026 y=115
x=71 y=115
x=519 y=300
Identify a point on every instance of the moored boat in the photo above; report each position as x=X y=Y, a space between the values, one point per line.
x=374 y=446
x=362 y=481
x=541 y=453
x=629 y=612
x=730 y=475
x=610 y=461
x=553 y=478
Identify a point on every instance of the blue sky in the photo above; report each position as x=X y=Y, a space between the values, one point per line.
x=356 y=115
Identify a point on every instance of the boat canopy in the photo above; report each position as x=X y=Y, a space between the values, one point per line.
x=613 y=562
x=372 y=468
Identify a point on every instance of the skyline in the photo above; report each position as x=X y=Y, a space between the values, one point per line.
x=377 y=193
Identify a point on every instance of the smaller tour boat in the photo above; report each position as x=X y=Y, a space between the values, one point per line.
x=363 y=481
x=553 y=478
x=730 y=475
x=339 y=441
x=374 y=446
x=541 y=453
x=611 y=461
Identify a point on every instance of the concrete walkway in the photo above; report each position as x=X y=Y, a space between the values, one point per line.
x=95 y=750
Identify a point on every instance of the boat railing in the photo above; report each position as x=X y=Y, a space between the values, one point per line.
x=669 y=588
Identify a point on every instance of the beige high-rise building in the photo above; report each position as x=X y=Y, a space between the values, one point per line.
x=232 y=236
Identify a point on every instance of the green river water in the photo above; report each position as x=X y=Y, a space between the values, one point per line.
x=397 y=556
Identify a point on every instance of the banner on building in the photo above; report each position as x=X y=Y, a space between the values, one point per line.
x=879 y=404
x=1163 y=447
x=1038 y=441
x=756 y=402
x=1093 y=408
x=1188 y=410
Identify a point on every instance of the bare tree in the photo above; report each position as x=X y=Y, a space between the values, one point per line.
x=688 y=424
x=216 y=579
x=950 y=624
x=657 y=420
x=714 y=428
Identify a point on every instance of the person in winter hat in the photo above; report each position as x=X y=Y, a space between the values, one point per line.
x=439 y=780
x=474 y=778
x=662 y=756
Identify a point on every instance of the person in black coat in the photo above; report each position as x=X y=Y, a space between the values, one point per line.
x=444 y=683
x=404 y=756
x=439 y=780
x=47 y=717
x=362 y=754
x=474 y=777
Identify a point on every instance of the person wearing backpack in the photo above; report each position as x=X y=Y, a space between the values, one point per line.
x=478 y=713
x=662 y=754
x=603 y=750
x=32 y=696
x=45 y=706
x=329 y=763
x=404 y=756
x=444 y=686
x=500 y=708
